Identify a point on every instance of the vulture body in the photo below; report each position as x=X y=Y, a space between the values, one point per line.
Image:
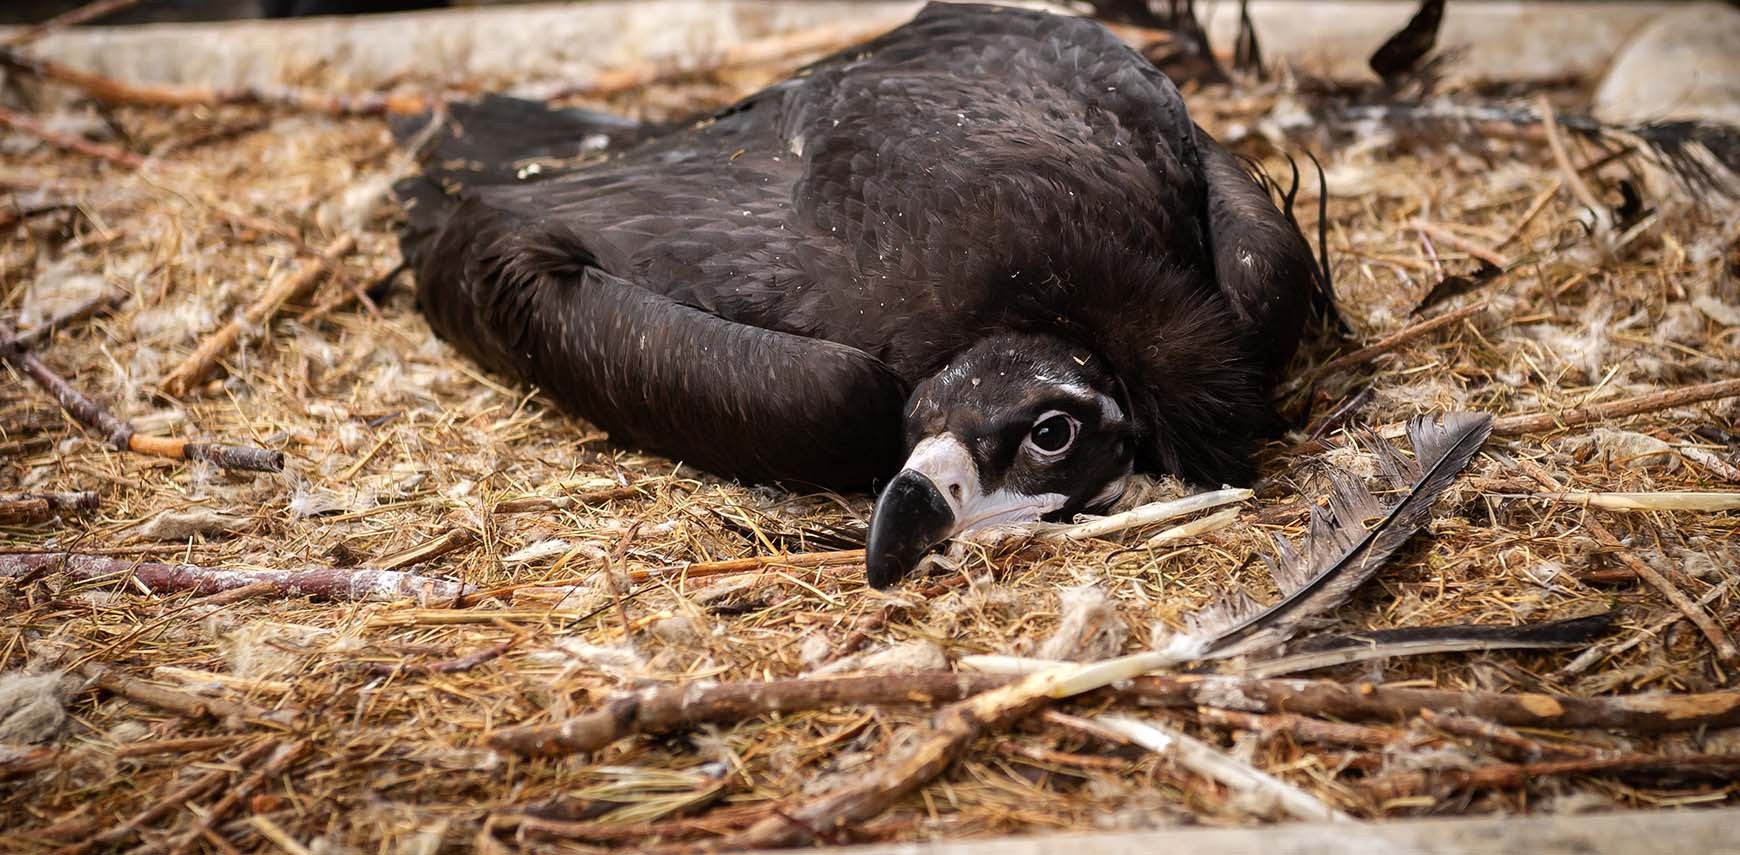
x=991 y=242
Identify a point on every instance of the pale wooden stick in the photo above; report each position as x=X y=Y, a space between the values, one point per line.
x=1664 y=501
x=193 y=370
x=1515 y=425
x=1149 y=514
x=1203 y=759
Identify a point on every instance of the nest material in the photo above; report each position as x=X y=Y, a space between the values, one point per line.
x=375 y=715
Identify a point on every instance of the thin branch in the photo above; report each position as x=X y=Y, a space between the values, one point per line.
x=356 y=583
x=25 y=124
x=670 y=708
x=1506 y=776
x=121 y=435
x=198 y=365
x=71 y=18
x=111 y=91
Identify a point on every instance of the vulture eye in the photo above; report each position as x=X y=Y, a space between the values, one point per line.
x=1052 y=434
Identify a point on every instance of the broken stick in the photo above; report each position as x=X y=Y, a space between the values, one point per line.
x=1720 y=767
x=198 y=365
x=121 y=435
x=25 y=124
x=356 y=583
x=669 y=708
x=113 y=91
x=27 y=508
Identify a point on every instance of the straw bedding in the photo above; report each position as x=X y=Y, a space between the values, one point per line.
x=365 y=725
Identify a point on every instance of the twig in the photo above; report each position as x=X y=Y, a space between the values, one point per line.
x=1528 y=423
x=29 y=762
x=617 y=595
x=1661 y=501
x=282 y=758
x=1516 y=744
x=451 y=540
x=176 y=746
x=667 y=708
x=25 y=124
x=1400 y=337
x=1514 y=425
x=1366 y=702
x=1721 y=767
x=752 y=563
x=165 y=698
x=170 y=801
x=1598 y=653
x=193 y=370
x=1725 y=649
x=28 y=508
x=99 y=305
x=1301 y=729
x=113 y=91
x=71 y=18
x=1148 y=514
x=447 y=666
x=356 y=583
x=121 y=435
x=1205 y=760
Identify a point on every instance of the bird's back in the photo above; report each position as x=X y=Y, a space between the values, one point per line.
x=899 y=195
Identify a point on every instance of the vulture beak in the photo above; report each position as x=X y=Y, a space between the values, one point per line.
x=936 y=496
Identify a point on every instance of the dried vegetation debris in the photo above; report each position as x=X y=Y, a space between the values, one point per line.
x=382 y=712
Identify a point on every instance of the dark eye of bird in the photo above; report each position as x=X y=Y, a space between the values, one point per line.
x=1052 y=433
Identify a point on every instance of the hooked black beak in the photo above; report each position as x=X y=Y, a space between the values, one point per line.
x=911 y=516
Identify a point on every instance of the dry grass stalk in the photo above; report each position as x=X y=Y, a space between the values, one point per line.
x=199 y=365
x=1725 y=649
x=537 y=504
